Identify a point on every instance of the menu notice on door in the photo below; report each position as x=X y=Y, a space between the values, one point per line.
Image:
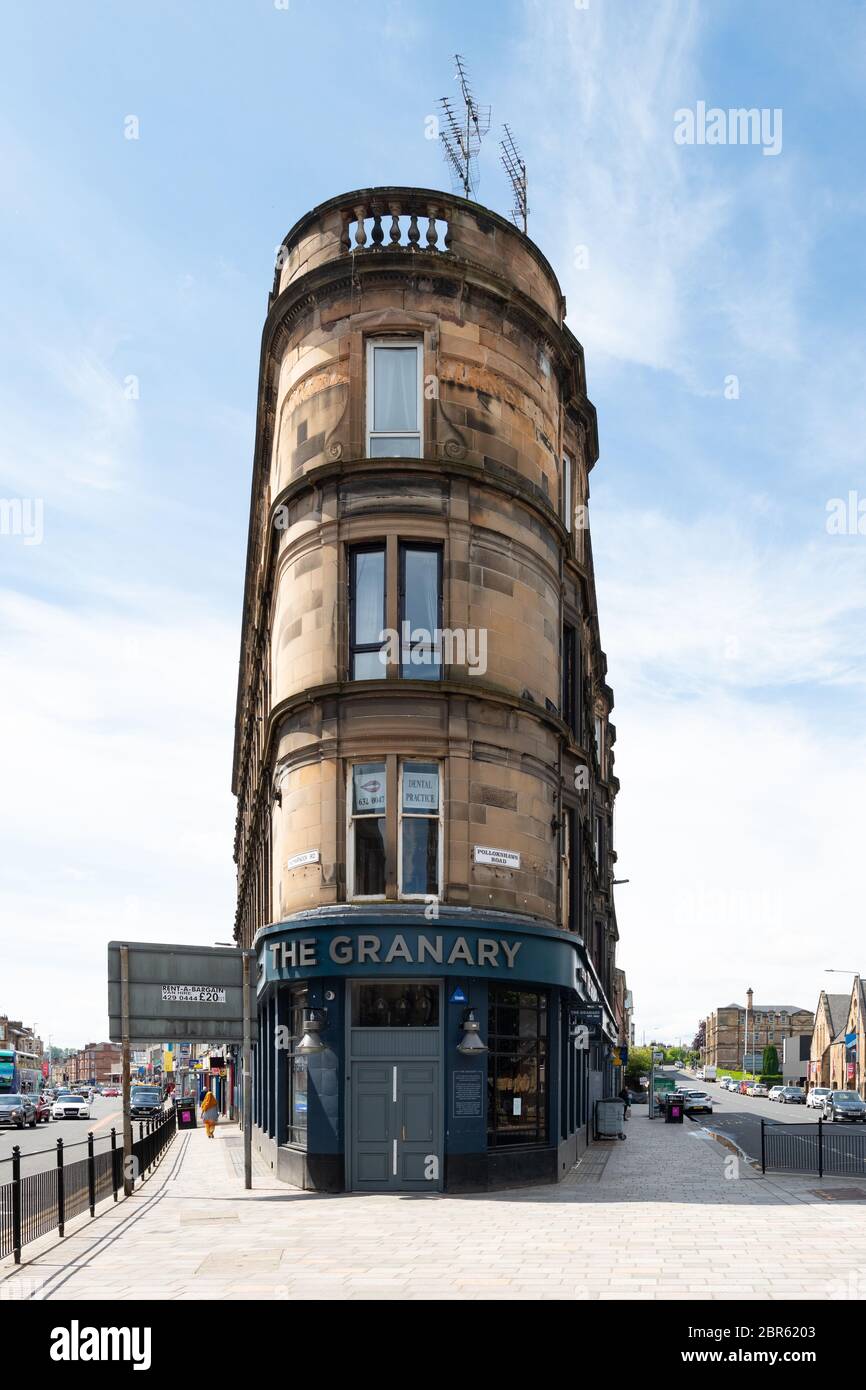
x=468 y=1095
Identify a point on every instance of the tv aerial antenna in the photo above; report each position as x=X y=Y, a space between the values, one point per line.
x=464 y=130
x=515 y=168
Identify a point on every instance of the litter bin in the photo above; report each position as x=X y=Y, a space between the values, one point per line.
x=185 y=1110
x=674 y=1110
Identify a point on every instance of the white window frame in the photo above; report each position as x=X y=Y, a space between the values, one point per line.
x=418 y=345
x=568 y=492
x=440 y=853
x=350 y=831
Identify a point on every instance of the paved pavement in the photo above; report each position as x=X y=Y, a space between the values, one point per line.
x=669 y=1214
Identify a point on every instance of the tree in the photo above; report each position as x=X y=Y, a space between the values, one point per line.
x=700 y=1041
x=639 y=1063
x=771 y=1061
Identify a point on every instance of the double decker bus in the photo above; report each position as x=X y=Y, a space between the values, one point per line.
x=19 y=1071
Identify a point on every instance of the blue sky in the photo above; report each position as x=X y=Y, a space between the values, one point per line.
x=734 y=624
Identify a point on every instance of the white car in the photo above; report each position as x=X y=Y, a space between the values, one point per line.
x=70 y=1107
x=756 y=1089
x=775 y=1092
x=816 y=1097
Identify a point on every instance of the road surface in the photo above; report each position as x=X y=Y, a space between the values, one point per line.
x=39 y=1146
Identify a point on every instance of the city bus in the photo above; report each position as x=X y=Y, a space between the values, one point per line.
x=19 y=1071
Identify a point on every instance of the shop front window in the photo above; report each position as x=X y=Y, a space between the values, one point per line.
x=517 y=1067
x=297 y=1070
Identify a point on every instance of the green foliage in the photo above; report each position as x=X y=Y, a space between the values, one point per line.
x=639 y=1063
x=770 y=1063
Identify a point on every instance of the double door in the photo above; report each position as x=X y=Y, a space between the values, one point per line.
x=395 y=1127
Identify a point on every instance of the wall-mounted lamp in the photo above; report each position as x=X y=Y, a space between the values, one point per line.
x=471 y=1044
x=311 y=1042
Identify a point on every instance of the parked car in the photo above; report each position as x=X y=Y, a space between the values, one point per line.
x=111 y=1091
x=757 y=1088
x=775 y=1092
x=743 y=1087
x=729 y=1083
x=792 y=1095
x=845 y=1105
x=816 y=1097
x=697 y=1101
x=69 y=1106
x=18 y=1110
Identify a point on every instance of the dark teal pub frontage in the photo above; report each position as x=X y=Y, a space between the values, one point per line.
x=401 y=1054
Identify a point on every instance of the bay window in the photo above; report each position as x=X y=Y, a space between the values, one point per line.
x=367 y=830
x=420 y=839
x=567 y=492
x=394 y=398
x=420 y=617
x=366 y=612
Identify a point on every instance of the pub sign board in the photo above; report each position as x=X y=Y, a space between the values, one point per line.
x=587 y=1016
x=181 y=993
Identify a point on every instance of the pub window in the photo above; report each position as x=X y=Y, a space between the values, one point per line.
x=395 y=1004
x=367 y=809
x=567 y=492
x=420 y=615
x=394 y=398
x=297 y=1069
x=420 y=830
x=366 y=612
x=517 y=1067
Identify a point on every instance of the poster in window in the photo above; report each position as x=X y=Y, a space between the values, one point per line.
x=421 y=788
x=368 y=789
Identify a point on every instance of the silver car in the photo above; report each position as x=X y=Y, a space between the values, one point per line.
x=845 y=1105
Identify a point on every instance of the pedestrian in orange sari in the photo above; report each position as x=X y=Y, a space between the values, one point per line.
x=209 y=1112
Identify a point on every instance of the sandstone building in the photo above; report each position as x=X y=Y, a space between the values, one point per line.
x=424 y=754
x=736 y=1031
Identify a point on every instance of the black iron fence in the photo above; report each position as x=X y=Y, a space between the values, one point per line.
x=832 y=1149
x=36 y=1203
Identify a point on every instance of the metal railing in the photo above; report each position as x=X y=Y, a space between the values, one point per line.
x=824 y=1149
x=37 y=1203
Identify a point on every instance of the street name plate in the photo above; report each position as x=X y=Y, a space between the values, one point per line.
x=502 y=858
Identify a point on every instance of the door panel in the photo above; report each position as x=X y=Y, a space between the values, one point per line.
x=395 y=1127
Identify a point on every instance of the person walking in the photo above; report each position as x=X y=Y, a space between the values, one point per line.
x=209 y=1112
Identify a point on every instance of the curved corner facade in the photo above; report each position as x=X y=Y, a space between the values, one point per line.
x=424 y=752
